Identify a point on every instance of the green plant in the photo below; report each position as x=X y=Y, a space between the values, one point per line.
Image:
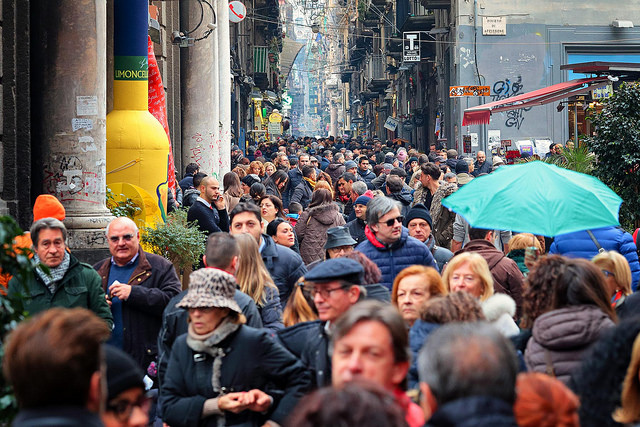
x=578 y=159
x=121 y=205
x=177 y=240
x=617 y=148
x=15 y=261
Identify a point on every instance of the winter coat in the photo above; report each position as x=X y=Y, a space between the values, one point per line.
x=295 y=178
x=393 y=258
x=442 y=217
x=284 y=265
x=356 y=229
x=309 y=342
x=405 y=199
x=335 y=171
x=231 y=201
x=422 y=195
x=507 y=277
x=58 y=415
x=175 y=323
x=628 y=306
x=189 y=197
x=312 y=227
x=153 y=283
x=561 y=337
x=79 y=287
x=210 y=220
x=377 y=292
x=474 y=411
x=480 y=169
x=452 y=164
x=367 y=176
x=499 y=310
x=517 y=255
x=302 y=194
x=271 y=311
x=580 y=245
x=186 y=182
x=251 y=360
x=418 y=334
x=440 y=254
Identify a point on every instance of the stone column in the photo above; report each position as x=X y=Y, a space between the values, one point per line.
x=73 y=117
x=199 y=92
x=224 y=75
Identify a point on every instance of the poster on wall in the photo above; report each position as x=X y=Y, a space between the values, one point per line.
x=474 y=139
x=494 y=137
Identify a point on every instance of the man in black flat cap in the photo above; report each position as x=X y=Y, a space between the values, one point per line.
x=334 y=286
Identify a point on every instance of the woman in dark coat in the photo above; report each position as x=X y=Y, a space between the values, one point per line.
x=276 y=183
x=580 y=313
x=302 y=193
x=313 y=224
x=219 y=371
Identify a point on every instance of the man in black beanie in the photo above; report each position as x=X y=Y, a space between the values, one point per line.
x=127 y=405
x=419 y=223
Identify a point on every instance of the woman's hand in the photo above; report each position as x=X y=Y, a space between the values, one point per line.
x=232 y=402
x=257 y=400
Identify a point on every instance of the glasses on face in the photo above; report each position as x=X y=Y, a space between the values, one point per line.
x=122 y=409
x=391 y=222
x=324 y=292
x=125 y=237
x=607 y=273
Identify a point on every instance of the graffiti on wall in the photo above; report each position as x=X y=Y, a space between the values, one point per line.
x=503 y=89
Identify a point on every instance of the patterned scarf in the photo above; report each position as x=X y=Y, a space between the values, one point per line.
x=55 y=273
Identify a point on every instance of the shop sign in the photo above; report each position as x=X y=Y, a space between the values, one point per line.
x=237 y=11
x=457 y=91
x=391 y=124
x=411 y=46
x=275 y=117
x=602 y=92
x=494 y=25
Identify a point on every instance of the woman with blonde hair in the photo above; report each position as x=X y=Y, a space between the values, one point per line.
x=412 y=287
x=254 y=280
x=517 y=248
x=269 y=168
x=469 y=272
x=323 y=185
x=300 y=307
x=617 y=273
x=256 y=168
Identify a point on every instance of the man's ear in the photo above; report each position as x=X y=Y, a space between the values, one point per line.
x=353 y=294
x=97 y=393
x=489 y=236
x=204 y=260
x=428 y=401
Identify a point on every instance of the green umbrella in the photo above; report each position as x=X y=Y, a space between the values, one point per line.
x=538 y=198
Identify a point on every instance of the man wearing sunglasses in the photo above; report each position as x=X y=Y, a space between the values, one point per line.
x=388 y=243
x=334 y=286
x=138 y=286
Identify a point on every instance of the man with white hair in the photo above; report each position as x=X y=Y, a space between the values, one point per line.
x=138 y=286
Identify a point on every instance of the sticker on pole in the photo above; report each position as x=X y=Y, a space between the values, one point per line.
x=237 y=11
x=411 y=46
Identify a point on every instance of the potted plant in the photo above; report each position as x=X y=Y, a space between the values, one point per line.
x=177 y=240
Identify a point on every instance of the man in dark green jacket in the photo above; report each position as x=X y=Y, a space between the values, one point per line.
x=68 y=283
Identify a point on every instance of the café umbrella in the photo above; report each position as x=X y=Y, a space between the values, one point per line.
x=538 y=198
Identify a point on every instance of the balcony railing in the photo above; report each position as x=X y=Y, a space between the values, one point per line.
x=374 y=68
x=408 y=8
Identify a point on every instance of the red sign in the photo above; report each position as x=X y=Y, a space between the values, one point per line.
x=457 y=91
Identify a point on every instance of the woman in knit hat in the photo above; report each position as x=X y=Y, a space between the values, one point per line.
x=218 y=372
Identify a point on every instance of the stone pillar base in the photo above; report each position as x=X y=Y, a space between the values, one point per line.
x=4 y=209
x=86 y=236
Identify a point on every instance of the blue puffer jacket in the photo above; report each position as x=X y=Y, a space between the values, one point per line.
x=391 y=259
x=418 y=334
x=580 y=245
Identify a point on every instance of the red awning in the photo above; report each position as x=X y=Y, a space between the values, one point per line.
x=482 y=113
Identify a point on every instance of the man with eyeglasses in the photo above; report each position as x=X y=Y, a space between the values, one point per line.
x=138 y=286
x=388 y=243
x=334 y=286
x=68 y=283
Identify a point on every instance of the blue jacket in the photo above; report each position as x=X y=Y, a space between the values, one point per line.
x=418 y=334
x=580 y=245
x=391 y=259
x=295 y=178
x=284 y=265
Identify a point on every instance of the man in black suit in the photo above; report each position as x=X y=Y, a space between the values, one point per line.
x=209 y=209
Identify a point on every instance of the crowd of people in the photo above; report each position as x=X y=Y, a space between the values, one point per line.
x=336 y=289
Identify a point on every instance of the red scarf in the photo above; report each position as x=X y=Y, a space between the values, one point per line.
x=372 y=238
x=413 y=414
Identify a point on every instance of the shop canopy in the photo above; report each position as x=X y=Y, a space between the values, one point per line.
x=482 y=113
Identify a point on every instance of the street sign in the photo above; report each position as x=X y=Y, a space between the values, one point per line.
x=457 y=91
x=237 y=11
x=391 y=124
x=274 y=129
x=411 y=46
